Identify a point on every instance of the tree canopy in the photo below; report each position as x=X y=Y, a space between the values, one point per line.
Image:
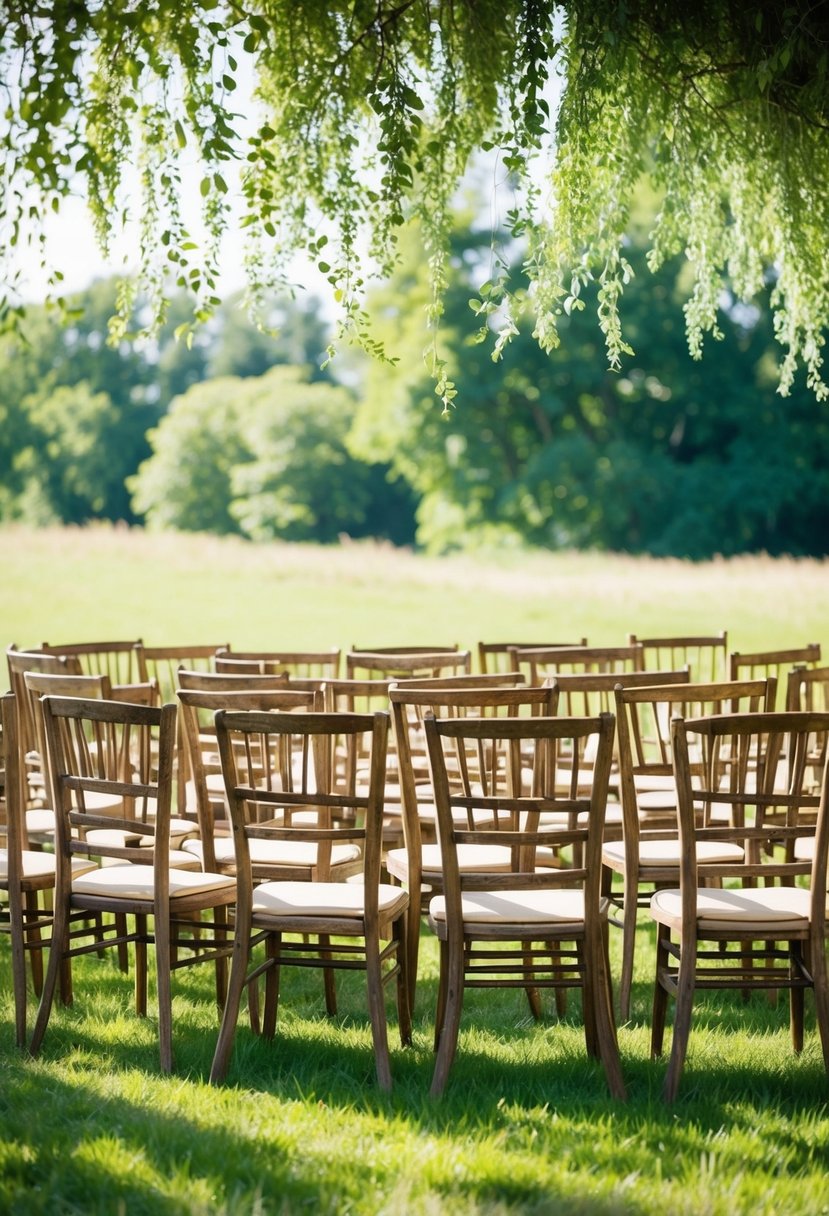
x=369 y=112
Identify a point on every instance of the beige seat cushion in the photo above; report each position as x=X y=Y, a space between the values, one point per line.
x=323 y=899
x=274 y=852
x=761 y=909
x=554 y=907
x=36 y=865
x=668 y=852
x=136 y=882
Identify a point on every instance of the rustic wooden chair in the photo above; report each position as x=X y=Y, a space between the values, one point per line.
x=28 y=878
x=361 y=923
x=118 y=660
x=39 y=821
x=528 y=925
x=298 y=664
x=759 y=899
x=648 y=853
x=91 y=744
x=418 y=864
x=706 y=656
x=197 y=709
x=497 y=656
x=540 y=664
x=399 y=665
x=778 y=663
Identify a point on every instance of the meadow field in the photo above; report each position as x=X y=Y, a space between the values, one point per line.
x=526 y=1125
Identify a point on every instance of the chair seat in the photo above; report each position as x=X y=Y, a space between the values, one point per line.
x=137 y=882
x=759 y=909
x=115 y=838
x=274 y=852
x=472 y=858
x=515 y=907
x=668 y=852
x=656 y=802
x=36 y=865
x=324 y=899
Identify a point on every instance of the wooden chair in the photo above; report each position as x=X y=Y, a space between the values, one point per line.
x=741 y=912
x=418 y=864
x=540 y=664
x=118 y=661
x=528 y=926
x=28 y=878
x=298 y=664
x=778 y=663
x=705 y=656
x=162 y=663
x=648 y=854
x=355 y=919
x=497 y=656
x=39 y=822
x=214 y=844
x=379 y=665
x=91 y=744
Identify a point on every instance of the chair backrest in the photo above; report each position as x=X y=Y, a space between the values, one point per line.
x=410 y=707
x=365 y=664
x=777 y=663
x=14 y=826
x=161 y=663
x=20 y=662
x=540 y=664
x=492 y=679
x=226 y=681
x=588 y=694
x=197 y=711
x=549 y=809
x=306 y=664
x=119 y=751
x=705 y=656
x=118 y=660
x=265 y=789
x=643 y=726
x=497 y=656
x=757 y=769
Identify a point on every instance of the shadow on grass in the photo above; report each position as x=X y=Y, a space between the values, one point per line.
x=93 y=1125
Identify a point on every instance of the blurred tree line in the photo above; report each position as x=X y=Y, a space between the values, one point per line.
x=242 y=432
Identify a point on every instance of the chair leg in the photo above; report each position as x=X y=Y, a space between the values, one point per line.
x=453 y=985
x=533 y=995
x=377 y=1013
x=273 y=947
x=18 y=944
x=164 y=992
x=686 y=982
x=630 y=906
x=404 y=1014
x=57 y=950
x=329 y=977
x=605 y=1024
x=440 y=1005
x=221 y=936
x=796 y=997
x=660 y=994
x=33 y=936
x=413 y=937
x=817 y=960
x=141 y=966
x=230 y=1016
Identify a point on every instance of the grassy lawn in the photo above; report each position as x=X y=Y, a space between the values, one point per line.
x=525 y=1125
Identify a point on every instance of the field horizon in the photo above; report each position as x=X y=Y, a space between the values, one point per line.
x=101 y=581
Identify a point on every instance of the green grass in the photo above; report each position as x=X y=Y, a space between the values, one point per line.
x=526 y=1125
x=86 y=584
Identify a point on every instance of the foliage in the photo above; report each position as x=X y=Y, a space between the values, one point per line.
x=265 y=457
x=371 y=112
x=673 y=457
x=77 y=408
